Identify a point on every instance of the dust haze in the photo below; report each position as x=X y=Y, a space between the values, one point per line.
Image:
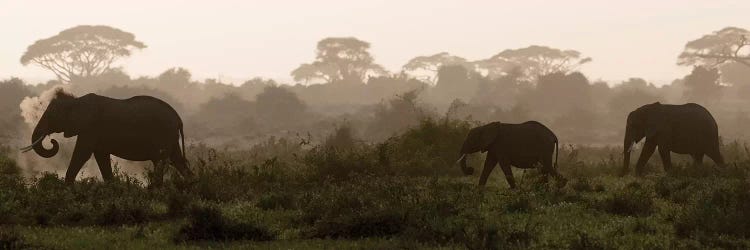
x=341 y=83
x=353 y=124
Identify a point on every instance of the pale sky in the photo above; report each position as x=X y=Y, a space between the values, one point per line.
x=238 y=40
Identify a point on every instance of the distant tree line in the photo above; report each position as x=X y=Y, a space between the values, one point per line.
x=344 y=84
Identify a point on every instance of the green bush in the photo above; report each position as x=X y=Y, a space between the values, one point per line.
x=362 y=207
x=208 y=224
x=582 y=185
x=11 y=239
x=725 y=210
x=520 y=203
x=178 y=202
x=335 y=164
x=424 y=210
x=680 y=190
x=224 y=178
x=585 y=241
x=51 y=201
x=430 y=148
x=633 y=200
x=276 y=200
x=12 y=191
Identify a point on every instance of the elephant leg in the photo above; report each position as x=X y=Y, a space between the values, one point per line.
x=648 y=150
x=180 y=163
x=105 y=166
x=550 y=169
x=505 y=166
x=81 y=154
x=715 y=155
x=697 y=159
x=489 y=165
x=157 y=177
x=666 y=158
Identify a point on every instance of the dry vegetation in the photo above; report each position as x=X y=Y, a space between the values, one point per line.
x=351 y=161
x=400 y=193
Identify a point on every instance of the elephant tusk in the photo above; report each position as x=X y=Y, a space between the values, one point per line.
x=28 y=148
x=462 y=157
x=630 y=148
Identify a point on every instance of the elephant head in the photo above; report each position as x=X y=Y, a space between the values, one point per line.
x=65 y=114
x=646 y=121
x=478 y=139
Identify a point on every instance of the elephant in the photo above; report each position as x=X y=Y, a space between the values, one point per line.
x=141 y=128
x=683 y=129
x=521 y=145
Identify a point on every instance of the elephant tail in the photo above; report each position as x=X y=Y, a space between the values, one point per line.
x=557 y=146
x=557 y=151
x=182 y=138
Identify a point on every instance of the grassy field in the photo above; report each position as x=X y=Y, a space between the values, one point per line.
x=403 y=193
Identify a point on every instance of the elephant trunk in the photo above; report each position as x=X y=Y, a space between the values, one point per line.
x=464 y=168
x=40 y=131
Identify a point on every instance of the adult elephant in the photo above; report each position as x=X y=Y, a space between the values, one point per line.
x=683 y=129
x=521 y=145
x=140 y=128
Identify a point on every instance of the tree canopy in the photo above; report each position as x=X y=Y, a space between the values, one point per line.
x=81 y=51
x=426 y=67
x=340 y=59
x=725 y=45
x=534 y=61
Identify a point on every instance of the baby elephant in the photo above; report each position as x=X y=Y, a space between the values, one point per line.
x=520 y=145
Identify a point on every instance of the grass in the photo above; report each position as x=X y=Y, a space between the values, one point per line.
x=373 y=196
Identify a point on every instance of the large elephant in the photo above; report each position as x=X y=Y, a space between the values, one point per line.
x=683 y=129
x=140 y=128
x=521 y=145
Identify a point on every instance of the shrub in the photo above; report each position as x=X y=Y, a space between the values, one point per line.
x=676 y=189
x=328 y=163
x=208 y=223
x=633 y=200
x=8 y=166
x=367 y=223
x=428 y=149
x=722 y=211
x=12 y=192
x=341 y=138
x=420 y=209
x=520 y=203
x=582 y=185
x=88 y=202
x=275 y=200
x=363 y=207
x=584 y=241
x=178 y=203
x=11 y=239
x=222 y=176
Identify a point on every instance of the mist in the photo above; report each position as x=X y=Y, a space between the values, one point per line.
x=359 y=125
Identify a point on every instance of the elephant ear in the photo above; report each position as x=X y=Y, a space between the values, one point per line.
x=488 y=135
x=81 y=116
x=656 y=122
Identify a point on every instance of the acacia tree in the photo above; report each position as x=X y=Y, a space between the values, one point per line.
x=81 y=51
x=340 y=59
x=427 y=67
x=726 y=45
x=533 y=61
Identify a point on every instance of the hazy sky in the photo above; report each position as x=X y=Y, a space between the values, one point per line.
x=238 y=40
